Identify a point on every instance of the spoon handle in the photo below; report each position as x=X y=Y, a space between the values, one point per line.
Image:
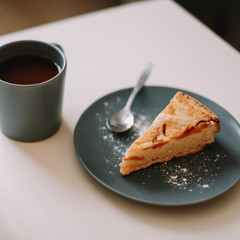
x=140 y=83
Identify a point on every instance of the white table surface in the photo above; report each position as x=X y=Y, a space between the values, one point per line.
x=45 y=193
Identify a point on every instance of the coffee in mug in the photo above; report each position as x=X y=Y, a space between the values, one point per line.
x=28 y=69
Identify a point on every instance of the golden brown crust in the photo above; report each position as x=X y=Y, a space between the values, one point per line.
x=183 y=120
x=190 y=106
x=182 y=114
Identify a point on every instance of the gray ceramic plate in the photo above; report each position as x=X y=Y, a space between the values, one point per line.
x=181 y=181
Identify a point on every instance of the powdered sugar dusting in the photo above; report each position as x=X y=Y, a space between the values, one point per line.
x=197 y=171
x=119 y=142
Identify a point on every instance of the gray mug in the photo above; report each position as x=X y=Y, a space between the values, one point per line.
x=32 y=112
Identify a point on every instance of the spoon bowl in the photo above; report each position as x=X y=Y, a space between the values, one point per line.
x=120 y=121
x=124 y=120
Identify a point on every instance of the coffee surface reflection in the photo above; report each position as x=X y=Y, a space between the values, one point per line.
x=27 y=70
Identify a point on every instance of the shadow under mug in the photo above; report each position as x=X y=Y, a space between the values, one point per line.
x=32 y=112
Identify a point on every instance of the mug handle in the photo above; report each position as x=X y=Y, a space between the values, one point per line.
x=58 y=46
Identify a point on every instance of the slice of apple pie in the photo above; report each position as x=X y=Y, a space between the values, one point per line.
x=185 y=126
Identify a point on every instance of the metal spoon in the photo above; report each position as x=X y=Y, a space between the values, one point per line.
x=124 y=119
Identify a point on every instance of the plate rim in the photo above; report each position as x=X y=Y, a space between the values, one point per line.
x=125 y=195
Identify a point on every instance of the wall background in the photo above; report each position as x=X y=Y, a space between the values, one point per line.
x=222 y=16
